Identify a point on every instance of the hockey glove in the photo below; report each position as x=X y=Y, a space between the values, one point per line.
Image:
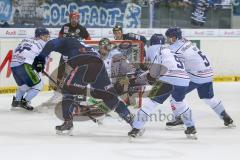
x=143 y=79
x=38 y=64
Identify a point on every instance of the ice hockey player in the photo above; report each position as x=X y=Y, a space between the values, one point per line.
x=159 y=54
x=71 y=29
x=199 y=70
x=88 y=68
x=119 y=35
x=28 y=80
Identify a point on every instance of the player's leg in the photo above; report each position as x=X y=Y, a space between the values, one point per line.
x=104 y=90
x=158 y=94
x=69 y=92
x=34 y=82
x=181 y=109
x=85 y=69
x=67 y=106
x=177 y=122
x=206 y=93
x=143 y=115
x=20 y=89
x=30 y=84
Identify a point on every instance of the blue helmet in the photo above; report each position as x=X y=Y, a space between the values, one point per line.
x=174 y=32
x=41 y=32
x=157 y=39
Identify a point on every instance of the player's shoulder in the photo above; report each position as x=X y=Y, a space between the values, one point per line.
x=31 y=41
x=165 y=47
x=129 y=35
x=180 y=46
x=27 y=39
x=158 y=46
x=153 y=47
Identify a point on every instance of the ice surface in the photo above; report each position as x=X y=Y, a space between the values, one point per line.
x=31 y=136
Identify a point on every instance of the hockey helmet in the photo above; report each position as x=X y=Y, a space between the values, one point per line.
x=41 y=31
x=157 y=39
x=174 y=32
x=74 y=15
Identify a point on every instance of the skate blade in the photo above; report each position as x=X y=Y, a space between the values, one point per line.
x=100 y=122
x=175 y=128
x=142 y=131
x=232 y=125
x=192 y=136
x=14 y=108
x=131 y=139
x=65 y=133
x=20 y=109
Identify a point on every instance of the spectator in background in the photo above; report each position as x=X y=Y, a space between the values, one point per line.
x=4 y=24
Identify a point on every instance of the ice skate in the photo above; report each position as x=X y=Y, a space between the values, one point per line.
x=175 y=125
x=227 y=120
x=191 y=132
x=26 y=105
x=136 y=132
x=15 y=103
x=65 y=129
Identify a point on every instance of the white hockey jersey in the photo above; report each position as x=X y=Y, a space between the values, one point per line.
x=26 y=51
x=176 y=74
x=196 y=63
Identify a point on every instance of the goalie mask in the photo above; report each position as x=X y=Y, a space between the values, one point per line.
x=104 y=46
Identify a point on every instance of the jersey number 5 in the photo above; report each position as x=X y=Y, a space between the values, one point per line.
x=179 y=63
x=205 y=60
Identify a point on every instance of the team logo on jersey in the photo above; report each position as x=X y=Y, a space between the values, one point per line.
x=65 y=29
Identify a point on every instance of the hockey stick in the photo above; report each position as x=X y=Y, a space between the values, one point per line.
x=59 y=87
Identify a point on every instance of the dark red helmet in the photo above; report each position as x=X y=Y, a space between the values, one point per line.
x=74 y=14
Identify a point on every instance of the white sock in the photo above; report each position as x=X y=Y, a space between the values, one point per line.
x=216 y=105
x=21 y=91
x=181 y=109
x=144 y=113
x=31 y=94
